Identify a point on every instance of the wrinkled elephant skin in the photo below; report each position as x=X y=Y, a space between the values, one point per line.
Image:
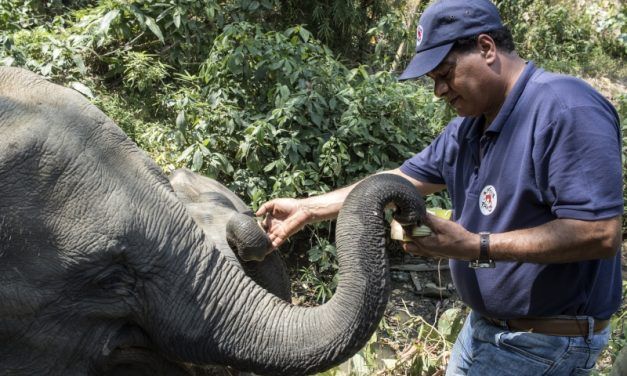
x=216 y=210
x=105 y=270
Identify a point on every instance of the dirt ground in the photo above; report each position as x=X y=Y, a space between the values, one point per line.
x=427 y=294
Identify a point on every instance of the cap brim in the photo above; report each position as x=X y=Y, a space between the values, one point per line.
x=425 y=61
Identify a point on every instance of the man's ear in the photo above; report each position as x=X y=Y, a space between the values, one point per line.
x=487 y=48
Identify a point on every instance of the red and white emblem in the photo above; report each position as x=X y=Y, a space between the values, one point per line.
x=418 y=36
x=487 y=200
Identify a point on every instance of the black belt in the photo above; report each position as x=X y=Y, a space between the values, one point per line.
x=575 y=327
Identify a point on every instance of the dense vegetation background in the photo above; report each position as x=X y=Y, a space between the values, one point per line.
x=284 y=97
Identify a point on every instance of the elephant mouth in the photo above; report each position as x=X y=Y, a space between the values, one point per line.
x=130 y=352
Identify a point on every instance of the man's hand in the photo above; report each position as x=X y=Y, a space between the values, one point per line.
x=447 y=240
x=283 y=218
x=558 y=241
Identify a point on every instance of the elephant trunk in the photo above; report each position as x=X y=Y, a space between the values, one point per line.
x=228 y=319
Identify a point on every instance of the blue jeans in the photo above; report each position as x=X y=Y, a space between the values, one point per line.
x=484 y=349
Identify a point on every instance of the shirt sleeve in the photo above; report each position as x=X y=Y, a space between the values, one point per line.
x=428 y=165
x=578 y=164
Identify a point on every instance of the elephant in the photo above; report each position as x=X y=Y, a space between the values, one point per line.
x=104 y=271
x=229 y=223
x=619 y=367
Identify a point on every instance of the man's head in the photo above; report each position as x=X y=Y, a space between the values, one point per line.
x=442 y=24
x=463 y=46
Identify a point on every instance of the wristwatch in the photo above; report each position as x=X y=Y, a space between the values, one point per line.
x=484 y=260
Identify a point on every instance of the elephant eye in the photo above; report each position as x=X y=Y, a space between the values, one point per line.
x=116 y=278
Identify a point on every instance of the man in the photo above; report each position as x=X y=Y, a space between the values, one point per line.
x=533 y=167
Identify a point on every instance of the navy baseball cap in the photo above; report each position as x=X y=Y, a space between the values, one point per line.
x=444 y=22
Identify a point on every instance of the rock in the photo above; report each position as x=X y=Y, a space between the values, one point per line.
x=431 y=290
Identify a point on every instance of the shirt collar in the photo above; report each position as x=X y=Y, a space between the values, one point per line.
x=508 y=104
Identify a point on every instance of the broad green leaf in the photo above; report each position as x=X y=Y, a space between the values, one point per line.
x=260 y=133
x=197 y=161
x=254 y=5
x=284 y=91
x=450 y=323
x=203 y=149
x=270 y=166
x=80 y=63
x=106 y=21
x=186 y=153
x=242 y=152
x=82 y=89
x=315 y=254
x=180 y=120
x=138 y=15
x=304 y=34
x=333 y=103
x=316 y=118
x=177 y=18
x=152 y=25
x=210 y=11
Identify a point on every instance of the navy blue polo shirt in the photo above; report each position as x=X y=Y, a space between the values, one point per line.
x=553 y=151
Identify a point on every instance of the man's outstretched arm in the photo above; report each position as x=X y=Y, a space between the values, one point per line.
x=286 y=216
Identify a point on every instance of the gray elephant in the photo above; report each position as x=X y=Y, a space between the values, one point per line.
x=103 y=271
x=229 y=224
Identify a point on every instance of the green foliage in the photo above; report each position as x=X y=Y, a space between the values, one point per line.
x=406 y=344
x=343 y=25
x=319 y=279
x=618 y=338
x=277 y=112
x=143 y=71
x=571 y=37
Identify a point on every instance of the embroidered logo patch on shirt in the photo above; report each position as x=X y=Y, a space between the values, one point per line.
x=487 y=200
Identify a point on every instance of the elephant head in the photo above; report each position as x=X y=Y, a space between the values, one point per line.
x=104 y=271
x=229 y=224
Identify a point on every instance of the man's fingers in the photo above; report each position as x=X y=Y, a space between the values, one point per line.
x=413 y=249
x=409 y=247
x=265 y=223
x=276 y=241
x=262 y=210
x=429 y=219
x=433 y=221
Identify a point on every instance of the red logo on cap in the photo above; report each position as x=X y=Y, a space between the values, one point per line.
x=418 y=36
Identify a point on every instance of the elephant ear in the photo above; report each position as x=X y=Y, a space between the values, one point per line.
x=230 y=225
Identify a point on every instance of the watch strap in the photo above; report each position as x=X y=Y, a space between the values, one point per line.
x=484 y=260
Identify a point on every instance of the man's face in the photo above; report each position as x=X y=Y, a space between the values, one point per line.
x=461 y=80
